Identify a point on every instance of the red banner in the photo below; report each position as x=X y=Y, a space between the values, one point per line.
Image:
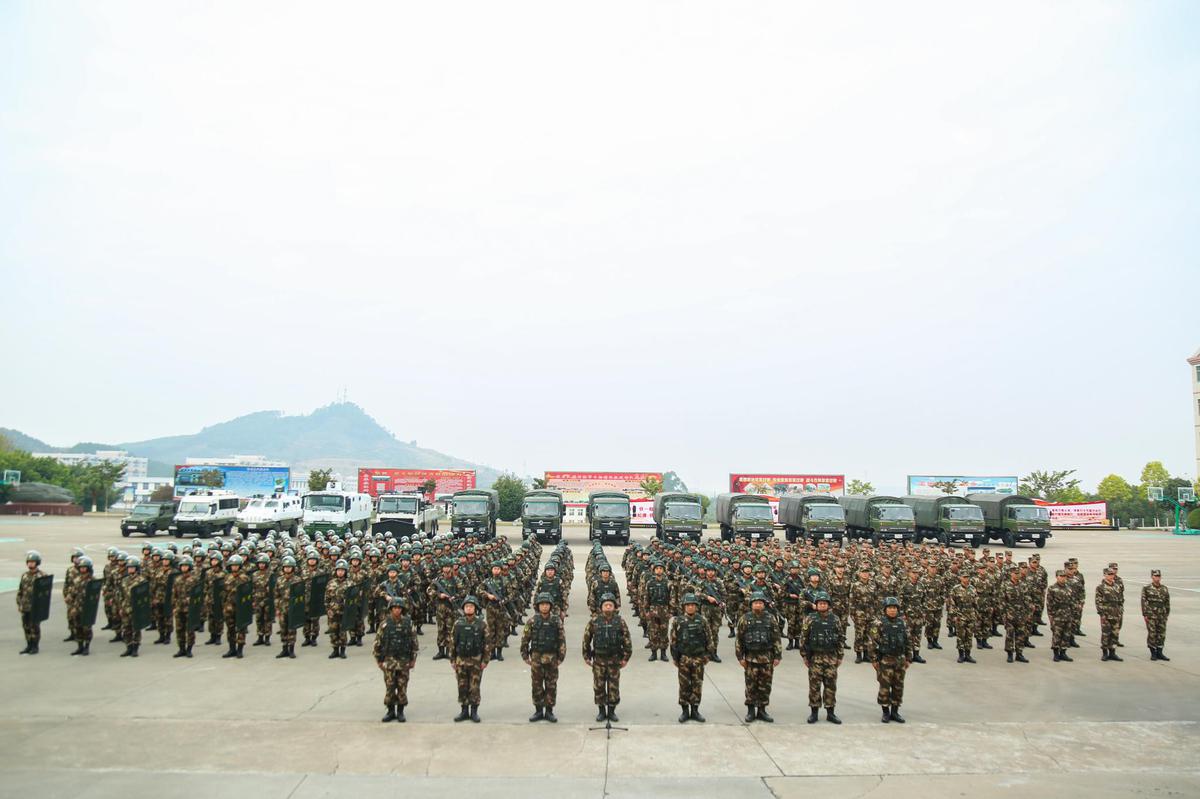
x=575 y=486
x=1077 y=514
x=384 y=481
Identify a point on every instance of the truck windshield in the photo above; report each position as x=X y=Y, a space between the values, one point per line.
x=254 y=503
x=323 y=502
x=754 y=512
x=195 y=507
x=611 y=510
x=683 y=511
x=398 y=505
x=963 y=513
x=1029 y=513
x=894 y=513
x=540 y=509
x=470 y=507
x=270 y=504
x=144 y=510
x=826 y=511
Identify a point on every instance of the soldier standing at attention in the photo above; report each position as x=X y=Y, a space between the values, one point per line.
x=335 y=602
x=73 y=599
x=83 y=633
x=494 y=597
x=235 y=634
x=1156 y=607
x=33 y=629
x=863 y=601
x=962 y=607
x=691 y=640
x=1013 y=614
x=1120 y=587
x=1079 y=594
x=129 y=631
x=1060 y=607
x=712 y=606
x=655 y=607
x=913 y=601
x=821 y=641
x=607 y=647
x=891 y=653
x=181 y=591
x=214 y=577
x=111 y=572
x=68 y=584
x=283 y=597
x=469 y=657
x=444 y=594
x=396 y=653
x=544 y=648
x=312 y=569
x=1110 y=607
x=759 y=649
x=261 y=596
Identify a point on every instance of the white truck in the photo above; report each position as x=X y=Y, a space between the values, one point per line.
x=204 y=513
x=407 y=514
x=276 y=512
x=336 y=511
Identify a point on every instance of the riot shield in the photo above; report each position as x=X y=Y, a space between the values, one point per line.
x=351 y=608
x=269 y=602
x=243 y=607
x=218 y=592
x=169 y=597
x=316 y=596
x=43 y=587
x=364 y=600
x=296 y=607
x=139 y=597
x=195 y=616
x=91 y=602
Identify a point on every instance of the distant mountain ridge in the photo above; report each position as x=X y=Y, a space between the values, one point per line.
x=341 y=436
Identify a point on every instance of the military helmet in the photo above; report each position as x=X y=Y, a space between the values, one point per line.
x=396 y=602
x=470 y=599
x=133 y=562
x=608 y=596
x=263 y=559
x=392 y=567
x=341 y=564
x=690 y=599
x=186 y=560
x=288 y=560
x=235 y=560
x=83 y=562
x=33 y=555
x=891 y=602
x=547 y=598
x=820 y=596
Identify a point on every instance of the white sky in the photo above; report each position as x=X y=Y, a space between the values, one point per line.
x=952 y=238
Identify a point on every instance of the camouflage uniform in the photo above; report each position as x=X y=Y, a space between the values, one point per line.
x=111 y=577
x=395 y=651
x=821 y=641
x=606 y=644
x=1110 y=608
x=335 y=604
x=468 y=652
x=445 y=608
x=963 y=610
x=1156 y=607
x=758 y=646
x=1060 y=608
x=912 y=607
x=712 y=611
x=129 y=633
x=656 y=609
x=283 y=596
x=864 y=604
x=497 y=621
x=213 y=578
x=73 y=598
x=1079 y=598
x=1015 y=610
x=181 y=591
x=691 y=641
x=235 y=634
x=33 y=629
x=544 y=646
x=890 y=647
x=261 y=601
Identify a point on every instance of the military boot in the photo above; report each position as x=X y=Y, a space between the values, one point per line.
x=70 y=637
x=240 y=647
x=292 y=651
x=763 y=715
x=858 y=655
x=831 y=717
x=400 y=714
x=962 y=655
x=751 y=714
x=266 y=640
x=549 y=714
x=189 y=651
x=896 y=717
x=1153 y=653
x=1057 y=655
x=1104 y=654
x=1079 y=632
x=128 y=651
x=87 y=648
x=463 y=713
x=696 y=714
x=715 y=658
x=33 y=648
x=967 y=658
x=1161 y=656
x=538 y=714
x=116 y=639
x=283 y=652
x=791 y=644
x=611 y=715
x=258 y=642
x=499 y=654
x=1120 y=644
x=812 y=716
x=1072 y=643
x=441 y=653
x=159 y=639
x=167 y=637
x=212 y=638
x=933 y=644
x=653 y=655
x=1010 y=657
x=984 y=644
x=916 y=658
x=1021 y=658
x=182 y=651
x=887 y=715
x=1112 y=655
x=232 y=651
x=662 y=655
x=1065 y=657
x=28 y=646
x=686 y=715
x=135 y=648
x=475 y=713
x=342 y=652
x=1035 y=632
x=333 y=653
x=391 y=714
x=603 y=713
x=78 y=648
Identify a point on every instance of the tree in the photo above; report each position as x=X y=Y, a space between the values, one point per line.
x=429 y=487
x=163 y=493
x=540 y=483
x=1154 y=474
x=319 y=479
x=947 y=486
x=511 y=490
x=1052 y=486
x=652 y=486
x=860 y=487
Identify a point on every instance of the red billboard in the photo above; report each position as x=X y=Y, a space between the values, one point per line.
x=383 y=481
x=775 y=485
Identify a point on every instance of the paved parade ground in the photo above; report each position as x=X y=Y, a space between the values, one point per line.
x=164 y=727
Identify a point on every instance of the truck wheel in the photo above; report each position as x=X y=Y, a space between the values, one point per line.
x=125 y=534
x=1039 y=542
x=1007 y=539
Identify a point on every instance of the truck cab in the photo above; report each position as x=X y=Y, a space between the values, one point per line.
x=878 y=517
x=340 y=512
x=746 y=516
x=947 y=519
x=816 y=517
x=542 y=515
x=609 y=515
x=678 y=515
x=405 y=514
x=473 y=512
x=276 y=512
x=204 y=513
x=148 y=518
x=1013 y=518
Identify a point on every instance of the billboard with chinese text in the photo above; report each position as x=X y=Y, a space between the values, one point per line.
x=376 y=481
x=932 y=485
x=245 y=481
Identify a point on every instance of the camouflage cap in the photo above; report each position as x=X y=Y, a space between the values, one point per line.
x=1156 y=573
x=1112 y=566
x=1060 y=573
x=1107 y=572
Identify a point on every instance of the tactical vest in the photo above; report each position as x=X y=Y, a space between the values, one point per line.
x=545 y=636
x=657 y=592
x=823 y=633
x=397 y=640
x=606 y=637
x=757 y=637
x=468 y=639
x=893 y=638
x=690 y=632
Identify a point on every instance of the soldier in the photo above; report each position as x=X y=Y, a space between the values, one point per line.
x=1060 y=607
x=607 y=647
x=821 y=641
x=1013 y=614
x=913 y=603
x=712 y=598
x=181 y=591
x=863 y=601
x=395 y=652
x=312 y=570
x=1040 y=583
x=33 y=629
x=283 y=595
x=235 y=634
x=1079 y=595
x=691 y=640
x=77 y=598
x=214 y=579
x=544 y=648
x=335 y=601
x=131 y=633
x=891 y=653
x=604 y=584
x=494 y=596
x=469 y=657
x=1110 y=607
x=261 y=582
x=759 y=649
x=157 y=571
x=68 y=588
x=108 y=574
x=963 y=605
x=444 y=593
x=793 y=603
x=655 y=605
x=1156 y=607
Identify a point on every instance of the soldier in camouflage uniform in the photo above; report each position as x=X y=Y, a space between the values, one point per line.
x=156 y=573
x=445 y=592
x=792 y=603
x=395 y=653
x=607 y=647
x=913 y=603
x=67 y=589
x=213 y=577
x=838 y=587
x=469 y=657
x=73 y=599
x=758 y=649
x=1110 y=606
x=181 y=591
x=544 y=648
x=494 y=594
x=335 y=603
x=964 y=605
x=1014 y=614
x=890 y=648
x=1078 y=594
x=863 y=602
x=236 y=635
x=1040 y=583
x=129 y=632
x=821 y=641
x=283 y=595
x=691 y=641
x=312 y=624
x=712 y=606
x=655 y=605
x=1060 y=607
x=33 y=629
x=358 y=576
x=260 y=600
x=110 y=575
x=1156 y=607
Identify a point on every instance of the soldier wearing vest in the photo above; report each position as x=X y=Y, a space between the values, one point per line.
x=656 y=609
x=758 y=649
x=1156 y=607
x=712 y=607
x=821 y=641
x=395 y=652
x=469 y=657
x=444 y=593
x=335 y=602
x=75 y=600
x=890 y=647
x=131 y=633
x=691 y=640
x=283 y=597
x=793 y=602
x=494 y=596
x=607 y=648
x=261 y=580
x=181 y=591
x=544 y=648
x=235 y=634
x=604 y=584
x=214 y=577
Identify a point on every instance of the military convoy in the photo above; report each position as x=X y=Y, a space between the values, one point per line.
x=816 y=517
x=878 y=517
x=608 y=517
x=542 y=515
x=1012 y=518
x=946 y=519
x=746 y=516
x=405 y=514
x=473 y=512
x=678 y=515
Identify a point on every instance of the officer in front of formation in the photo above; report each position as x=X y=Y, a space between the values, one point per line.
x=1156 y=607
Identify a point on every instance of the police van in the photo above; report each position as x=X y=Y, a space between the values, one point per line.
x=203 y=513
x=340 y=512
x=276 y=512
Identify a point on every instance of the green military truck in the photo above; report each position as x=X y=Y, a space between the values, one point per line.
x=148 y=518
x=878 y=517
x=678 y=515
x=746 y=516
x=608 y=515
x=817 y=517
x=473 y=512
x=1012 y=518
x=542 y=515
x=946 y=519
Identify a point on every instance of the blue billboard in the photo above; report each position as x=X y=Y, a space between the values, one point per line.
x=937 y=484
x=245 y=481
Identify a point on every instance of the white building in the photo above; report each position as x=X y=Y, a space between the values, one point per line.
x=139 y=490
x=233 y=460
x=135 y=468
x=1194 y=363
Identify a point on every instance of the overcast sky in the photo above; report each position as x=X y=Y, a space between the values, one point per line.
x=951 y=238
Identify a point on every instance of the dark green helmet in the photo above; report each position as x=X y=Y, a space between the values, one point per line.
x=891 y=602
x=548 y=599
x=33 y=555
x=470 y=599
x=690 y=599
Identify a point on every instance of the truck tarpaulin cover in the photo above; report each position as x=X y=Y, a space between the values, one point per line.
x=1077 y=514
x=575 y=486
x=923 y=484
x=384 y=481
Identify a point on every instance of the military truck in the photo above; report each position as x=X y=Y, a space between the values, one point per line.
x=204 y=513
x=878 y=517
x=1012 y=518
x=946 y=519
x=405 y=514
x=148 y=518
x=542 y=515
x=678 y=515
x=817 y=517
x=746 y=516
x=608 y=515
x=473 y=512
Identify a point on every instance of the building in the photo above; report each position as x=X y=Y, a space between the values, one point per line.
x=139 y=490
x=234 y=460
x=1194 y=363
x=135 y=468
